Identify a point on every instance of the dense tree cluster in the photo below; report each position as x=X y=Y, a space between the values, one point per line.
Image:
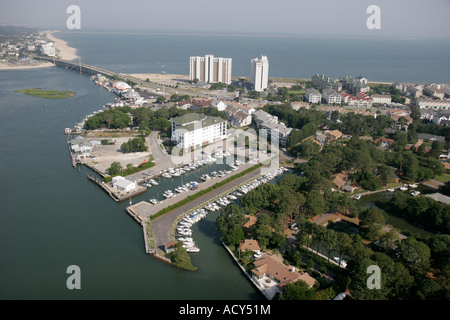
x=111 y=119
x=422 y=209
x=134 y=145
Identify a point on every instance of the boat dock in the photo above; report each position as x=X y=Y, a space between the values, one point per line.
x=117 y=195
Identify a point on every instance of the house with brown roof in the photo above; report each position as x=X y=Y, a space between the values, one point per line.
x=251 y=245
x=274 y=274
x=250 y=222
x=333 y=134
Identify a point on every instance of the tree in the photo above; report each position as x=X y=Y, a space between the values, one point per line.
x=329 y=240
x=277 y=240
x=234 y=236
x=263 y=229
x=297 y=291
x=115 y=168
x=315 y=203
x=231 y=217
x=414 y=254
x=180 y=257
x=161 y=99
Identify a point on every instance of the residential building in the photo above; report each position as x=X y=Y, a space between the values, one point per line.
x=251 y=245
x=331 y=96
x=259 y=76
x=439 y=197
x=359 y=84
x=430 y=103
x=274 y=274
x=312 y=95
x=237 y=116
x=297 y=105
x=272 y=127
x=361 y=100
x=193 y=130
x=220 y=105
x=381 y=98
x=48 y=49
x=209 y=69
x=323 y=82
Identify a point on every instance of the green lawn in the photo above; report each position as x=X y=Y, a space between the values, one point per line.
x=443 y=178
x=49 y=94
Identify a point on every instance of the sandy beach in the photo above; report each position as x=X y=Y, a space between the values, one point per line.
x=63 y=50
x=32 y=65
x=160 y=78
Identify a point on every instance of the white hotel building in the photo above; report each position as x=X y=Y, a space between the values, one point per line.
x=260 y=73
x=210 y=70
x=194 y=130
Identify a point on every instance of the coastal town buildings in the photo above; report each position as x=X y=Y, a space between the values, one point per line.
x=209 y=69
x=360 y=100
x=323 y=82
x=273 y=128
x=331 y=96
x=381 y=98
x=259 y=77
x=312 y=95
x=47 y=49
x=271 y=274
x=353 y=86
x=193 y=130
x=122 y=184
x=435 y=104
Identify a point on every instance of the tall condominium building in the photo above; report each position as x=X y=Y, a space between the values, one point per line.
x=210 y=69
x=260 y=73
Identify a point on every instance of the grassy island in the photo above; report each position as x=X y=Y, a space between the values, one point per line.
x=49 y=94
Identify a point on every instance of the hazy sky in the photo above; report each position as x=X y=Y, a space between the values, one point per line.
x=402 y=18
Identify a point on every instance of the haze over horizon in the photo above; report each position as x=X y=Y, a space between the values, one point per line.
x=400 y=18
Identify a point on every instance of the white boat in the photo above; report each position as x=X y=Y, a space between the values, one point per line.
x=391 y=189
x=413 y=185
x=415 y=193
x=153 y=201
x=153 y=182
x=357 y=197
x=403 y=188
x=192 y=249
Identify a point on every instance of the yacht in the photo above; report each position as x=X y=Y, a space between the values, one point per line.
x=231 y=197
x=153 y=182
x=415 y=193
x=153 y=201
x=413 y=185
x=404 y=188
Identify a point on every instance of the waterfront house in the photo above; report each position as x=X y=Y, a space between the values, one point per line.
x=251 y=245
x=170 y=246
x=272 y=274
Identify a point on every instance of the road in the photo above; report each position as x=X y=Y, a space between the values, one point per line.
x=162 y=225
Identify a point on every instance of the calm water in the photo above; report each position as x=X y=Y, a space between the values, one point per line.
x=415 y=60
x=53 y=216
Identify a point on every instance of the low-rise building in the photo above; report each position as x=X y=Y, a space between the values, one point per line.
x=434 y=104
x=122 y=184
x=381 y=98
x=331 y=96
x=251 y=245
x=274 y=274
x=312 y=95
x=193 y=130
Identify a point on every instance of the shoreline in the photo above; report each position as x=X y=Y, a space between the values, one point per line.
x=63 y=50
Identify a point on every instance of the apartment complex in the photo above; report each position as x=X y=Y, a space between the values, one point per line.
x=312 y=95
x=194 y=130
x=331 y=96
x=209 y=69
x=270 y=124
x=259 y=77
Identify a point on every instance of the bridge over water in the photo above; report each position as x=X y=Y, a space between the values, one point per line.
x=80 y=67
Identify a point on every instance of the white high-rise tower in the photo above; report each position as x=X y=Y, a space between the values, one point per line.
x=260 y=73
